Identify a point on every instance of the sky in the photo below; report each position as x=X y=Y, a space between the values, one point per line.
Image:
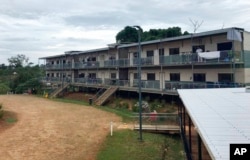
x=40 y=28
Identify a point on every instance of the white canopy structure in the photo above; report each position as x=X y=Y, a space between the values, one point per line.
x=220 y=116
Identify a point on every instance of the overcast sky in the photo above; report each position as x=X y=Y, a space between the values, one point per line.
x=39 y=28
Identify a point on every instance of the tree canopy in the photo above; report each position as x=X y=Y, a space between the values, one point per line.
x=18 y=61
x=129 y=34
x=20 y=75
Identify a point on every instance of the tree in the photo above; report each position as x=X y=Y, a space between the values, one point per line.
x=127 y=35
x=18 y=61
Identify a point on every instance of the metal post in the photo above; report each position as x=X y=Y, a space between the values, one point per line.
x=139 y=81
x=199 y=147
x=190 y=135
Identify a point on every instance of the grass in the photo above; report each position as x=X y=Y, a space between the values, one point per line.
x=124 y=113
x=124 y=145
x=10 y=120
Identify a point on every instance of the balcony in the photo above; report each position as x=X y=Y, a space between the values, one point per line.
x=216 y=57
x=170 y=85
x=89 y=64
x=149 y=61
x=53 y=66
x=147 y=84
x=58 y=66
x=116 y=63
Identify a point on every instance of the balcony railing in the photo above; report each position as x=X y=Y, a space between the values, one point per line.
x=90 y=64
x=169 y=85
x=59 y=66
x=207 y=58
x=144 y=61
x=90 y=81
x=147 y=84
x=216 y=57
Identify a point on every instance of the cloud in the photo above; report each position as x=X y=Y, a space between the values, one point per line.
x=40 y=28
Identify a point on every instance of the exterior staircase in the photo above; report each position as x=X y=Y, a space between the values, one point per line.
x=104 y=97
x=58 y=90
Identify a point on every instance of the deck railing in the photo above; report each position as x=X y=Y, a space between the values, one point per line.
x=168 y=86
x=144 y=61
x=178 y=59
x=156 y=120
x=147 y=84
x=189 y=58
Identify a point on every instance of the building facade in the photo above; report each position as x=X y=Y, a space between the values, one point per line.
x=219 y=58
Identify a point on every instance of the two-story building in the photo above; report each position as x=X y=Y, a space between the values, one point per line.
x=218 y=58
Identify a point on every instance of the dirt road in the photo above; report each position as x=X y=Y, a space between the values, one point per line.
x=49 y=130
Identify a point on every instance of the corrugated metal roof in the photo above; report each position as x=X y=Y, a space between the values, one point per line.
x=76 y=53
x=221 y=117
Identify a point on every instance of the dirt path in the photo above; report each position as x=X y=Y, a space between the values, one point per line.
x=48 y=130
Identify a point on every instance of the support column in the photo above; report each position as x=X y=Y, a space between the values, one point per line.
x=199 y=147
x=190 y=134
x=184 y=120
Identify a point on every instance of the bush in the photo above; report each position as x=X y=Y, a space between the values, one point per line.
x=145 y=107
x=155 y=105
x=4 y=88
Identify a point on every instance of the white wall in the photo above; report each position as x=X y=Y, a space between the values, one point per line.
x=246 y=40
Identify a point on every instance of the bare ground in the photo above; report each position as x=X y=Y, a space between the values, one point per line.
x=49 y=130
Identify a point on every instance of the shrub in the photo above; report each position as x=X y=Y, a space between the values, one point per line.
x=155 y=105
x=4 y=88
x=125 y=105
x=145 y=107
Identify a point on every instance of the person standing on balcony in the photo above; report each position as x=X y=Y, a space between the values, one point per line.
x=199 y=50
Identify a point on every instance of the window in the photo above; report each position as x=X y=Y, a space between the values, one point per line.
x=151 y=76
x=225 y=77
x=113 y=75
x=161 y=52
x=92 y=75
x=174 y=76
x=224 y=46
x=112 y=58
x=82 y=75
x=173 y=51
x=135 y=54
x=150 y=53
x=135 y=75
x=202 y=47
x=52 y=62
x=199 y=77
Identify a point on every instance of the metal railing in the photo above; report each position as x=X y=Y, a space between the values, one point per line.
x=144 y=61
x=147 y=84
x=89 y=64
x=189 y=58
x=178 y=59
x=170 y=85
x=157 y=119
x=116 y=63
x=90 y=81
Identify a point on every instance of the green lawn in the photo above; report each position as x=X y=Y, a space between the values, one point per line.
x=124 y=145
